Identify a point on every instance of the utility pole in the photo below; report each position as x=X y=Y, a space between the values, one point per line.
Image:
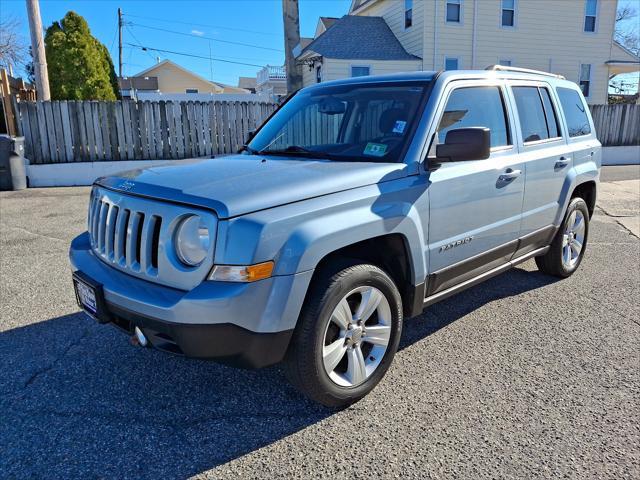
x=37 y=46
x=291 y=18
x=119 y=42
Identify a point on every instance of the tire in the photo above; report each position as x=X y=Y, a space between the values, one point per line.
x=556 y=261
x=316 y=342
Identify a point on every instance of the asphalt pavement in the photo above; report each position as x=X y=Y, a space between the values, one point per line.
x=523 y=376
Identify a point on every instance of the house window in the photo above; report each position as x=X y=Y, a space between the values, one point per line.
x=505 y=63
x=508 y=13
x=318 y=74
x=191 y=90
x=360 y=71
x=408 y=13
x=451 y=63
x=454 y=11
x=585 y=78
x=590 y=15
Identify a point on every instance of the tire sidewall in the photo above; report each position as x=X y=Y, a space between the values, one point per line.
x=362 y=277
x=576 y=204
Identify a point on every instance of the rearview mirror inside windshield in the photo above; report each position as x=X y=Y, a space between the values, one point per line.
x=332 y=106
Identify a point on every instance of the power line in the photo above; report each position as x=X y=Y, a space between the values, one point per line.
x=136 y=39
x=204 y=25
x=142 y=47
x=203 y=37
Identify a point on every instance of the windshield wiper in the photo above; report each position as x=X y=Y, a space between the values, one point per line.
x=294 y=150
x=247 y=148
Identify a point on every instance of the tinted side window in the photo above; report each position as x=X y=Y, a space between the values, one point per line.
x=550 y=114
x=574 y=111
x=476 y=107
x=531 y=113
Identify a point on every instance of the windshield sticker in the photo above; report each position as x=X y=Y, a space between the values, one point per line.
x=375 y=149
x=399 y=126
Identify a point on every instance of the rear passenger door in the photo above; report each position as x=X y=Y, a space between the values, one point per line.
x=474 y=206
x=547 y=160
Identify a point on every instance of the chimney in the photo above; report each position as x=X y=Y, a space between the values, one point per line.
x=291 y=20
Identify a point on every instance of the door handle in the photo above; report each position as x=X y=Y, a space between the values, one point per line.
x=562 y=162
x=509 y=175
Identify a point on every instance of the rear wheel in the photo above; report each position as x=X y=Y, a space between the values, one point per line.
x=569 y=244
x=347 y=335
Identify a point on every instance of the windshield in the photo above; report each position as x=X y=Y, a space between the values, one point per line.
x=360 y=122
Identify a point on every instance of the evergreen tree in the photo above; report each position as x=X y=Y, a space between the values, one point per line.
x=80 y=67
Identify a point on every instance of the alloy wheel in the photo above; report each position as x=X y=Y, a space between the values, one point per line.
x=573 y=239
x=357 y=336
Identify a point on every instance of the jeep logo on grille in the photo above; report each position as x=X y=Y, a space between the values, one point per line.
x=126 y=186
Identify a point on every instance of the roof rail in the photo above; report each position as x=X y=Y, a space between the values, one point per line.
x=504 y=68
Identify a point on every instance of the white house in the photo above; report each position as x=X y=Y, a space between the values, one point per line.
x=573 y=38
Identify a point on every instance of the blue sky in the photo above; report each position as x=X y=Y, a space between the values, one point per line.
x=255 y=22
x=199 y=25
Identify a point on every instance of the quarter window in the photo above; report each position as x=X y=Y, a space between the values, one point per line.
x=360 y=71
x=531 y=114
x=454 y=11
x=585 y=78
x=408 y=13
x=451 y=63
x=575 y=112
x=508 y=13
x=590 y=15
x=476 y=107
x=550 y=114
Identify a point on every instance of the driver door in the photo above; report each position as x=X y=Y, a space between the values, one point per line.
x=475 y=207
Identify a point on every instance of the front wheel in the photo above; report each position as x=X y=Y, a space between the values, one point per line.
x=568 y=246
x=346 y=337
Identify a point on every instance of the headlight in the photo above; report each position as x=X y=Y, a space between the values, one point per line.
x=192 y=240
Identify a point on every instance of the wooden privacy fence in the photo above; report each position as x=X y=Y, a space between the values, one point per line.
x=87 y=131
x=617 y=125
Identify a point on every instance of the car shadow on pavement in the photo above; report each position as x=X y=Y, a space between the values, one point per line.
x=77 y=400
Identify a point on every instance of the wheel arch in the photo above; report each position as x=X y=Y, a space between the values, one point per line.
x=391 y=253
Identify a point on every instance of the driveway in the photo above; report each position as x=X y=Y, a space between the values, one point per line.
x=523 y=376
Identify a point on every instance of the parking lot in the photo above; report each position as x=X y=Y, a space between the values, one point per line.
x=520 y=377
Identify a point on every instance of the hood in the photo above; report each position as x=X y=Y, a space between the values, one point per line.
x=239 y=184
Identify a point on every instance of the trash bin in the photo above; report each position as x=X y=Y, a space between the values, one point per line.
x=13 y=174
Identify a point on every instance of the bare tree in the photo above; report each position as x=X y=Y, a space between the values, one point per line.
x=627 y=36
x=13 y=49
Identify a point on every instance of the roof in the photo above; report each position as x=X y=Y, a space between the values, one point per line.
x=138 y=83
x=356 y=4
x=428 y=76
x=359 y=38
x=247 y=82
x=622 y=54
x=227 y=88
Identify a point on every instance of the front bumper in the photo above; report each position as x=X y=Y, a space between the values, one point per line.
x=243 y=324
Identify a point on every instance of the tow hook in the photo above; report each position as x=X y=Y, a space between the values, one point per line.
x=138 y=338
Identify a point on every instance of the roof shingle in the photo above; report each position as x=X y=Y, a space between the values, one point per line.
x=359 y=38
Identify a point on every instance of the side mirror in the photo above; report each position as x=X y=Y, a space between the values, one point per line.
x=464 y=144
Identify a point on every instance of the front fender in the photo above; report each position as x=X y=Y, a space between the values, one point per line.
x=297 y=236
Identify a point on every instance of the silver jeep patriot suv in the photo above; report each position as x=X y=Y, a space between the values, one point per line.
x=357 y=204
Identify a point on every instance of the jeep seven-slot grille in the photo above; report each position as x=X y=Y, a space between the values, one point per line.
x=135 y=235
x=123 y=236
